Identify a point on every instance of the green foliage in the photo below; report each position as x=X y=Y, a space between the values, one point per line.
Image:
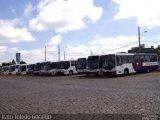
x=13 y=62
x=6 y=64
x=22 y=62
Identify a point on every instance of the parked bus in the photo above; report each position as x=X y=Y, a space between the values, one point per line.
x=81 y=65
x=53 y=68
x=0 y=69
x=31 y=68
x=45 y=66
x=37 y=69
x=92 y=65
x=66 y=67
x=14 y=69
x=124 y=64
x=24 y=69
x=5 y=70
x=128 y=63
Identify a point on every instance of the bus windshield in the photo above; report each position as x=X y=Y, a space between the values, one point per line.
x=81 y=63
x=63 y=65
x=53 y=65
x=23 y=68
x=37 y=67
x=5 y=68
x=107 y=62
x=45 y=65
x=12 y=68
x=93 y=62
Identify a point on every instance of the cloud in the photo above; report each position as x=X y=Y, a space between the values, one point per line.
x=100 y=45
x=147 y=12
x=64 y=15
x=114 y=44
x=55 y=40
x=3 y=49
x=10 y=33
x=29 y=8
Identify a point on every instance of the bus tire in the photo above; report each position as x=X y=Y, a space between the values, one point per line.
x=126 y=71
x=148 y=70
x=70 y=72
x=87 y=74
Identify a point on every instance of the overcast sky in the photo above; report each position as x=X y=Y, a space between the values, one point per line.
x=78 y=26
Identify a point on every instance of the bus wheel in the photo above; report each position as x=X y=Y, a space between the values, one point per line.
x=126 y=72
x=87 y=74
x=71 y=72
x=148 y=70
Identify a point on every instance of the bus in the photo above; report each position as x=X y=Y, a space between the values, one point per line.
x=52 y=70
x=92 y=65
x=5 y=70
x=66 y=67
x=81 y=65
x=14 y=69
x=31 y=68
x=37 y=69
x=0 y=69
x=24 y=69
x=124 y=63
x=45 y=66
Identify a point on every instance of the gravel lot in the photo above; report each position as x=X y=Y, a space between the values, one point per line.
x=78 y=94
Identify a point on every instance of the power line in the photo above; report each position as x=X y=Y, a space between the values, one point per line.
x=120 y=47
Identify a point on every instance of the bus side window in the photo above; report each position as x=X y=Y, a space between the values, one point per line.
x=147 y=59
x=130 y=59
x=136 y=58
x=153 y=58
x=142 y=58
x=73 y=63
x=119 y=60
x=125 y=59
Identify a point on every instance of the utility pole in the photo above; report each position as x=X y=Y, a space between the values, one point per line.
x=64 y=55
x=91 y=52
x=45 y=54
x=139 y=39
x=58 y=52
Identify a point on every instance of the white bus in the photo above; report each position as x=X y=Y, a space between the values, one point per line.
x=124 y=63
x=37 y=69
x=66 y=67
x=92 y=65
x=31 y=68
x=81 y=65
x=24 y=69
x=14 y=69
x=52 y=70
x=45 y=66
x=5 y=70
x=0 y=69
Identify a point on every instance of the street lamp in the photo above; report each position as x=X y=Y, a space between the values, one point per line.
x=65 y=52
x=139 y=37
x=90 y=51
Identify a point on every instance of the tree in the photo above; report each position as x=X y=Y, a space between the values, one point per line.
x=13 y=62
x=6 y=64
x=22 y=62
